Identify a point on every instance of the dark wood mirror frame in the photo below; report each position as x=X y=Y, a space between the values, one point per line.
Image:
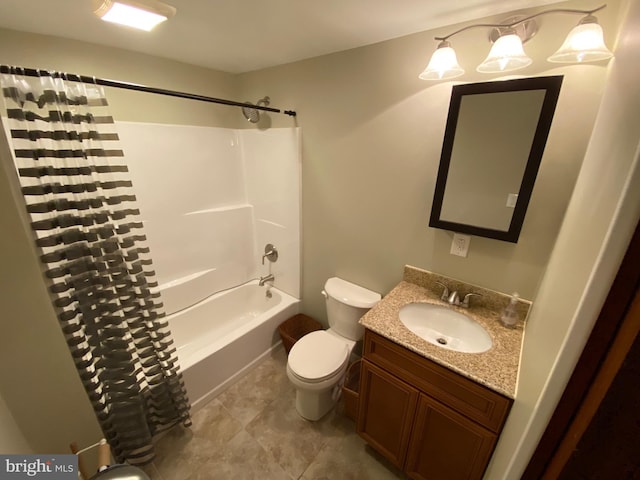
x=551 y=85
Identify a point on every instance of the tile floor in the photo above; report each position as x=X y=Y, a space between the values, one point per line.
x=252 y=431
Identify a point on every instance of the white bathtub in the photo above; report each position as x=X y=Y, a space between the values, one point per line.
x=223 y=336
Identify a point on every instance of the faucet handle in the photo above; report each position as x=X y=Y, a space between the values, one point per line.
x=465 y=301
x=270 y=253
x=445 y=292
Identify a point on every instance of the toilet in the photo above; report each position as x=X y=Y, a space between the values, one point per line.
x=318 y=362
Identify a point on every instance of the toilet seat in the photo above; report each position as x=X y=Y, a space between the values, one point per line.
x=317 y=356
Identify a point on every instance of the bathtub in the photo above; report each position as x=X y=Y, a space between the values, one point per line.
x=225 y=335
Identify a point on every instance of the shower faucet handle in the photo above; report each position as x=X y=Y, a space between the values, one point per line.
x=270 y=253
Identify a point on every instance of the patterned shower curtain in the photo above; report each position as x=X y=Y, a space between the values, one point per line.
x=99 y=274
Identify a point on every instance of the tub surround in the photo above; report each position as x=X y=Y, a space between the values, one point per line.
x=211 y=199
x=497 y=368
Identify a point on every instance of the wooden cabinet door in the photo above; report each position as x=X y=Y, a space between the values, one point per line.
x=386 y=410
x=445 y=445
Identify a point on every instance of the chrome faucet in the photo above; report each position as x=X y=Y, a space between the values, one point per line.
x=453 y=298
x=265 y=279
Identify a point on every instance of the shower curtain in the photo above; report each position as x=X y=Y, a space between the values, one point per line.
x=85 y=226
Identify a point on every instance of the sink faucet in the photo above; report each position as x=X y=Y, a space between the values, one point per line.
x=265 y=279
x=453 y=298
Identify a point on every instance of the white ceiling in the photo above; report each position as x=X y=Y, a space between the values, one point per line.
x=245 y=35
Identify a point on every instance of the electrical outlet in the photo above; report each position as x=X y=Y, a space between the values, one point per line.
x=460 y=245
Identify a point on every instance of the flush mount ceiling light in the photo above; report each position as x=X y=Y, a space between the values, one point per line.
x=141 y=14
x=585 y=43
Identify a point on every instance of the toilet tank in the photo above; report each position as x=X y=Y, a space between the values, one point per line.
x=346 y=304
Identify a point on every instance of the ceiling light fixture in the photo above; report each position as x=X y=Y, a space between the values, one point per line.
x=141 y=14
x=585 y=43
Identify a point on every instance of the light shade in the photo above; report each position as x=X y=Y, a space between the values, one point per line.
x=506 y=55
x=141 y=14
x=443 y=64
x=585 y=43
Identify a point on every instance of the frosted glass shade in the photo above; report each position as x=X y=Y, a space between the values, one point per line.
x=140 y=14
x=585 y=43
x=443 y=64
x=506 y=55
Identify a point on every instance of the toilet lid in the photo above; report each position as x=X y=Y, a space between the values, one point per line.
x=317 y=355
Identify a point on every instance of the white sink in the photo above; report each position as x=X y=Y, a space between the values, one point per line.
x=445 y=328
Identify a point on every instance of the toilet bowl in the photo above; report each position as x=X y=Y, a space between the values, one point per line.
x=318 y=362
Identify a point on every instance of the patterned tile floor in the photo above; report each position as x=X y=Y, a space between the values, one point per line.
x=252 y=431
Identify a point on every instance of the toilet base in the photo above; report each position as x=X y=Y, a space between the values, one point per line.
x=313 y=405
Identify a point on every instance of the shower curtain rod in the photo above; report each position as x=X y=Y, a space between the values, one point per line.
x=32 y=72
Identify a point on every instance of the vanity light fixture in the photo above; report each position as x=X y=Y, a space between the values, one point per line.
x=507 y=54
x=141 y=14
x=585 y=43
x=443 y=64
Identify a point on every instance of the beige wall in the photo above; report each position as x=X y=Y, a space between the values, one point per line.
x=372 y=136
x=600 y=220
x=11 y=438
x=51 y=53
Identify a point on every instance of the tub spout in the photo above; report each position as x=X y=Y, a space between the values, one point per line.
x=265 y=279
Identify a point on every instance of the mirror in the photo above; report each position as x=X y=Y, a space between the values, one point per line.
x=493 y=143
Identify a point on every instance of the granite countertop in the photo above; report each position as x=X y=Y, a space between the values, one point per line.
x=497 y=368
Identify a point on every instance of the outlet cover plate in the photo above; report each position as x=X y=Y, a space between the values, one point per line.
x=460 y=245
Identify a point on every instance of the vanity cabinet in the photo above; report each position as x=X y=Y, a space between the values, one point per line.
x=426 y=419
x=390 y=407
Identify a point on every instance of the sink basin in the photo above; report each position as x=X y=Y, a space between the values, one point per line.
x=445 y=328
